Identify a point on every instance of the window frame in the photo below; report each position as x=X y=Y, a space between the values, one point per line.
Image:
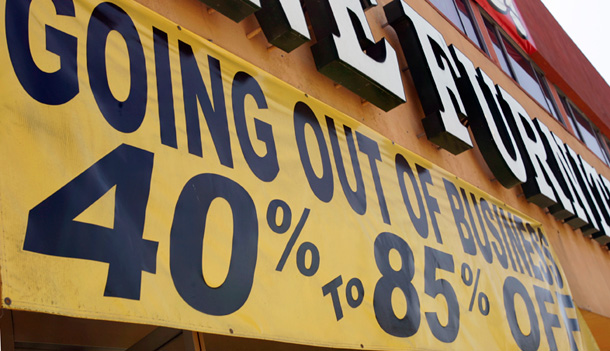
x=480 y=43
x=549 y=97
x=538 y=77
x=601 y=139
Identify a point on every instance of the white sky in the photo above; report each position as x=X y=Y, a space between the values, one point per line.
x=587 y=22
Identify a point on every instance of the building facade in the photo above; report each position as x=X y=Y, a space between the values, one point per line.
x=218 y=175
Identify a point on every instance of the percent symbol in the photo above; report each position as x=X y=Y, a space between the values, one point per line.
x=272 y=212
x=483 y=299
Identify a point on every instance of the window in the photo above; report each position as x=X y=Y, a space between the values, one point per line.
x=519 y=67
x=497 y=45
x=606 y=141
x=460 y=14
x=548 y=97
x=585 y=130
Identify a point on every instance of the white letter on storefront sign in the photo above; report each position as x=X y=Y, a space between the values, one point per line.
x=434 y=73
x=343 y=35
x=489 y=123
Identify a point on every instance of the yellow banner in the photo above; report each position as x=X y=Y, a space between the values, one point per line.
x=149 y=176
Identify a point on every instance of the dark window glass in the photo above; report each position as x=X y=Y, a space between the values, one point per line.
x=572 y=122
x=457 y=11
x=587 y=134
x=447 y=7
x=607 y=149
x=550 y=102
x=524 y=73
x=584 y=130
x=520 y=69
x=468 y=23
x=495 y=40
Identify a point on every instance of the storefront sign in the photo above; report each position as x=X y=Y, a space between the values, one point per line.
x=517 y=149
x=345 y=49
x=152 y=177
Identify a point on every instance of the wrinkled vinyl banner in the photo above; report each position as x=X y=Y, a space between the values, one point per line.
x=149 y=176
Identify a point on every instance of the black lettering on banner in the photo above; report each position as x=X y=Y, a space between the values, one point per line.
x=356 y=198
x=391 y=279
x=301 y=256
x=332 y=288
x=370 y=148
x=527 y=245
x=274 y=205
x=434 y=260
x=53 y=88
x=529 y=236
x=420 y=223
x=484 y=248
x=526 y=342
x=323 y=186
x=124 y=116
x=352 y=301
x=549 y=320
x=52 y=230
x=266 y=167
x=553 y=265
x=459 y=216
x=186 y=242
x=537 y=244
x=502 y=225
x=474 y=233
x=425 y=178
x=194 y=91
x=501 y=254
x=165 y=94
x=515 y=239
x=571 y=324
